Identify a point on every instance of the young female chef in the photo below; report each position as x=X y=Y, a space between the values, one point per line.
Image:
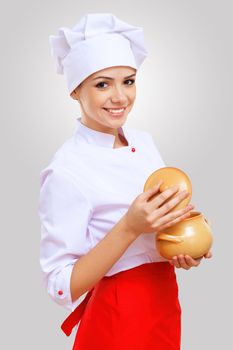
x=97 y=226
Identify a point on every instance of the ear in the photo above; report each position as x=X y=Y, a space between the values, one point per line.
x=73 y=95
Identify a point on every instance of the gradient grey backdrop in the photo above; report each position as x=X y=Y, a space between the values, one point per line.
x=184 y=99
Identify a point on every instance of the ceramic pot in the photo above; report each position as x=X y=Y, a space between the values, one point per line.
x=171 y=176
x=191 y=236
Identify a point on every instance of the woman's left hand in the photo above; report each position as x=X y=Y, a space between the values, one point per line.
x=186 y=262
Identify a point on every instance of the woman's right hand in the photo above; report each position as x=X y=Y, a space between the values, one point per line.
x=151 y=215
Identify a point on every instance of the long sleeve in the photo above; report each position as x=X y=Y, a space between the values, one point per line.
x=64 y=214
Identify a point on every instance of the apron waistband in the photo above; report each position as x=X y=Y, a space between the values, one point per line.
x=75 y=316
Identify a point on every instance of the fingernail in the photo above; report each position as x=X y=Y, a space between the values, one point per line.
x=159 y=183
x=184 y=192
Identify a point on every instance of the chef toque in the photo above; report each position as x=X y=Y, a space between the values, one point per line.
x=97 y=41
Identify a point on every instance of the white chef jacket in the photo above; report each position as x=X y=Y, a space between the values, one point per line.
x=84 y=191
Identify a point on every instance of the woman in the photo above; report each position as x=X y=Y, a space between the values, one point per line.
x=98 y=227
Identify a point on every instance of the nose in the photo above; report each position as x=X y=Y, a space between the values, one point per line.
x=119 y=96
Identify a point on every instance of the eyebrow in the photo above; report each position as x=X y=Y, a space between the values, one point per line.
x=113 y=78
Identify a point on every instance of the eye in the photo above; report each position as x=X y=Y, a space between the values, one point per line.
x=99 y=84
x=132 y=81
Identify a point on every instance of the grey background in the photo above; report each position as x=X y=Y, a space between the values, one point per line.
x=183 y=98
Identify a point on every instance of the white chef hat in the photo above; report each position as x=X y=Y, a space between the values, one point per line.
x=97 y=41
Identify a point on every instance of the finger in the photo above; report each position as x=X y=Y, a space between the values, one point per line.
x=208 y=255
x=192 y=262
x=183 y=262
x=165 y=208
x=165 y=195
x=176 y=262
x=174 y=217
x=152 y=191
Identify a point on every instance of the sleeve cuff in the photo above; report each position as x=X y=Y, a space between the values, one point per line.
x=59 y=289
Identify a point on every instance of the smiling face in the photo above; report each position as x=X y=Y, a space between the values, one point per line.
x=103 y=95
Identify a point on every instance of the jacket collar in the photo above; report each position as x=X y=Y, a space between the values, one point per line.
x=95 y=137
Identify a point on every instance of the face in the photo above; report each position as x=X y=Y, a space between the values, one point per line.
x=103 y=95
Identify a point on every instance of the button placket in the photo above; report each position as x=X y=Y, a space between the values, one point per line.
x=60 y=294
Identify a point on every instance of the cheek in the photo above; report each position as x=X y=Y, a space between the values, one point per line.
x=97 y=100
x=132 y=93
x=132 y=96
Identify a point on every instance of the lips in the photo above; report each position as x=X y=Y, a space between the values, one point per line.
x=115 y=111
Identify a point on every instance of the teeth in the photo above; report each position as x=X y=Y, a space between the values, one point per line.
x=116 y=111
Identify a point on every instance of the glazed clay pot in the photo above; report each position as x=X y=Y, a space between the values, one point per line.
x=171 y=176
x=192 y=236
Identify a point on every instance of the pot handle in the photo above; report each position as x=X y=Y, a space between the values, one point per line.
x=169 y=238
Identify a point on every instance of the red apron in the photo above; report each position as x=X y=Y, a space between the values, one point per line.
x=136 y=309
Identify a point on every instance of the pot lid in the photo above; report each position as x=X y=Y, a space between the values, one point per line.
x=171 y=176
